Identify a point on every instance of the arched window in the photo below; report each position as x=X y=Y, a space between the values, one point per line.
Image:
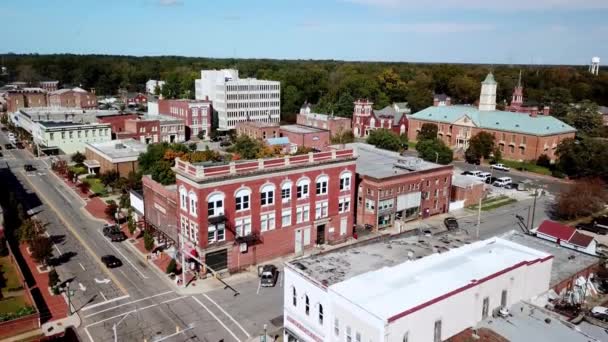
x=294 y=296
x=193 y=203
x=322 y=182
x=286 y=191
x=307 y=305
x=267 y=194
x=303 y=187
x=215 y=204
x=183 y=198
x=242 y=198
x=406 y=336
x=320 y=314
x=345 y=180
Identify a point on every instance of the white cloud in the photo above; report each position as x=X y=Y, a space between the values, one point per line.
x=170 y=2
x=486 y=4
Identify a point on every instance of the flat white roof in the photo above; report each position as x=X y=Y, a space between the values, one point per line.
x=121 y=150
x=417 y=282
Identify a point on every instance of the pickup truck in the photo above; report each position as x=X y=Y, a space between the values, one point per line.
x=500 y=167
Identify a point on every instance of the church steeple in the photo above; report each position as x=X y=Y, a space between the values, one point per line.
x=487 y=98
x=517 y=100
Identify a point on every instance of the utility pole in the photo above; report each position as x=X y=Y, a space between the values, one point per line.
x=534 y=207
x=436 y=157
x=478 y=218
x=67 y=286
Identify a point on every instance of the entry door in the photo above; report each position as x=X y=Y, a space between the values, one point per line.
x=298 y=241
x=306 y=236
x=343 y=226
x=320 y=234
x=486 y=308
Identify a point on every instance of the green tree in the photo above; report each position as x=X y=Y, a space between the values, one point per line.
x=109 y=178
x=585 y=117
x=162 y=173
x=246 y=147
x=171 y=267
x=344 y=137
x=464 y=89
x=481 y=145
x=30 y=229
x=148 y=241
x=131 y=224
x=583 y=158
x=543 y=160
x=42 y=249
x=111 y=209
x=428 y=131
x=78 y=158
x=434 y=150
x=496 y=156
x=53 y=278
x=384 y=139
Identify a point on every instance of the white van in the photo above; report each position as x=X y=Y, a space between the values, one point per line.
x=484 y=175
x=502 y=182
x=473 y=173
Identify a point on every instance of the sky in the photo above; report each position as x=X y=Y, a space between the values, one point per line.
x=459 y=31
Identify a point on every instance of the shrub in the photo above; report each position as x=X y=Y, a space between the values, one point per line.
x=78 y=158
x=111 y=209
x=543 y=160
x=84 y=187
x=131 y=224
x=172 y=267
x=148 y=241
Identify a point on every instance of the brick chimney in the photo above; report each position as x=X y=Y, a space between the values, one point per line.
x=546 y=110
x=435 y=102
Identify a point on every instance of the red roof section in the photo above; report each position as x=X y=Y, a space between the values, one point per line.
x=580 y=239
x=557 y=230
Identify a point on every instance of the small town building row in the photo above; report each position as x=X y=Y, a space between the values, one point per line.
x=294 y=135
x=195 y=114
x=113 y=155
x=147 y=128
x=32 y=97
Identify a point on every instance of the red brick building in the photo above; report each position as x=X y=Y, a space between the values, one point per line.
x=519 y=136
x=25 y=98
x=298 y=135
x=147 y=128
x=258 y=129
x=243 y=213
x=160 y=208
x=49 y=85
x=335 y=124
x=135 y=99
x=72 y=98
x=365 y=119
x=467 y=190
x=393 y=189
x=197 y=115
x=117 y=122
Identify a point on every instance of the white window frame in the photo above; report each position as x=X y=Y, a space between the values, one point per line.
x=193 y=200
x=215 y=229
x=214 y=198
x=345 y=181
x=243 y=226
x=183 y=195
x=344 y=205
x=322 y=185
x=184 y=226
x=303 y=188
x=193 y=232
x=244 y=195
x=286 y=217
x=267 y=222
x=267 y=195
x=321 y=209
x=286 y=192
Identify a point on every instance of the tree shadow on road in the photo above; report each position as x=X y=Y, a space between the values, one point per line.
x=62 y=259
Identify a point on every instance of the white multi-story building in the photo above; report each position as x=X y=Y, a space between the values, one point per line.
x=239 y=99
x=382 y=292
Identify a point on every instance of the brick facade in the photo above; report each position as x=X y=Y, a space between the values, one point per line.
x=25 y=99
x=470 y=194
x=258 y=129
x=160 y=207
x=117 y=122
x=304 y=136
x=251 y=226
x=335 y=124
x=365 y=120
x=72 y=98
x=197 y=115
x=123 y=168
x=146 y=131
x=434 y=186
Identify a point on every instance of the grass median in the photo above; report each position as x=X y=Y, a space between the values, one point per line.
x=493 y=203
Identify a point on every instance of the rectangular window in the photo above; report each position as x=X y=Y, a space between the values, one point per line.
x=267 y=222
x=184 y=225
x=322 y=187
x=286 y=218
x=370 y=204
x=302 y=191
x=344 y=204
x=358 y=336
x=523 y=139
x=321 y=209
x=216 y=233
x=51 y=135
x=72 y=134
x=193 y=206
x=193 y=232
x=285 y=194
x=345 y=183
x=215 y=208
x=349 y=337
x=243 y=226
x=386 y=204
x=242 y=202
x=267 y=198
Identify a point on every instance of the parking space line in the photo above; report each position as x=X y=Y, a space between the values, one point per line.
x=82 y=267
x=104 y=297
x=127 y=259
x=116 y=307
x=217 y=319
x=86 y=330
x=228 y=315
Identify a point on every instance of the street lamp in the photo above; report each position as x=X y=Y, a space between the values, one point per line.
x=69 y=294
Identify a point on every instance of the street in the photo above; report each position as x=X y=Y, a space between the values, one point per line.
x=134 y=294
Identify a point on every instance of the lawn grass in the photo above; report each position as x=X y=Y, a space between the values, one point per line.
x=494 y=202
x=527 y=166
x=12 y=304
x=11 y=276
x=96 y=186
x=78 y=170
x=411 y=145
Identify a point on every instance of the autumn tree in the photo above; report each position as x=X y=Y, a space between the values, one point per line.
x=30 y=229
x=584 y=198
x=42 y=249
x=111 y=209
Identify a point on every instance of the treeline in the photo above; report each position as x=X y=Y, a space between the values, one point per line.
x=330 y=85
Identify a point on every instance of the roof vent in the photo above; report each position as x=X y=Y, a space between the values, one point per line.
x=430 y=114
x=445 y=116
x=547 y=127
x=498 y=123
x=516 y=125
x=119 y=146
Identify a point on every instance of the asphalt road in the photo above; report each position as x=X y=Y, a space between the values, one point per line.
x=133 y=296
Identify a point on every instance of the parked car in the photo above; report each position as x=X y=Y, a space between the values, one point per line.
x=601 y=221
x=269 y=276
x=225 y=143
x=512 y=186
x=502 y=182
x=427 y=232
x=484 y=175
x=500 y=167
x=450 y=223
x=474 y=173
x=590 y=227
x=111 y=261
x=1 y=155
x=600 y=312
x=466 y=173
x=8 y=146
x=491 y=180
x=110 y=229
x=117 y=236
x=29 y=167
x=4 y=129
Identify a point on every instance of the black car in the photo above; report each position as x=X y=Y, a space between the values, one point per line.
x=467 y=173
x=8 y=146
x=111 y=261
x=491 y=180
x=450 y=223
x=269 y=276
x=109 y=229
x=117 y=236
x=4 y=129
x=590 y=227
x=29 y=167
